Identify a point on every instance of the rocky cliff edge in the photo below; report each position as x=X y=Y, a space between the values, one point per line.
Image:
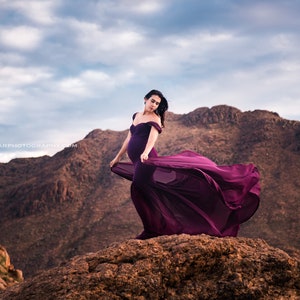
x=170 y=267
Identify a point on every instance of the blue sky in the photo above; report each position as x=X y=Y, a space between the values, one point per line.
x=69 y=66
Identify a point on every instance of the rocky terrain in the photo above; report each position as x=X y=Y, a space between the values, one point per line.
x=54 y=208
x=170 y=267
x=8 y=274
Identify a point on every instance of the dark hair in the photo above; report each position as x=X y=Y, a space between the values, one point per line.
x=163 y=105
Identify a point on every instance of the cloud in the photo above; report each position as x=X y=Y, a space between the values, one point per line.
x=7 y=156
x=105 y=45
x=9 y=59
x=146 y=7
x=123 y=9
x=269 y=15
x=270 y=86
x=41 y=12
x=22 y=37
x=7 y=105
x=67 y=68
x=86 y=84
x=14 y=76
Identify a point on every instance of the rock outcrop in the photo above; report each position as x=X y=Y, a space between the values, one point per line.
x=8 y=274
x=170 y=267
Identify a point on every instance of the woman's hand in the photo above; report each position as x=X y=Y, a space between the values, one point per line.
x=144 y=156
x=122 y=151
x=114 y=162
x=150 y=144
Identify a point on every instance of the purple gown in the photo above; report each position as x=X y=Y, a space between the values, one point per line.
x=187 y=192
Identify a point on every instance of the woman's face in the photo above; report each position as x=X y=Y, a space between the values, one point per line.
x=152 y=103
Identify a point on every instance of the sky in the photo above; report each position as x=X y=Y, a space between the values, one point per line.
x=68 y=67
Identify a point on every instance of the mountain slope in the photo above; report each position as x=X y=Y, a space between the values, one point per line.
x=52 y=208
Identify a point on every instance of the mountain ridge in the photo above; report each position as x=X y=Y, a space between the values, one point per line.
x=54 y=208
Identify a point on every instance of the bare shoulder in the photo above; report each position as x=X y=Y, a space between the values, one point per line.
x=139 y=114
x=157 y=120
x=139 y=117
x=136 y=117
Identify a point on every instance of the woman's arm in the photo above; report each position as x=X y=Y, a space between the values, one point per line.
x=150 y=143
x=122 y=151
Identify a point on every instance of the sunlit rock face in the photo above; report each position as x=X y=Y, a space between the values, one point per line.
x=170 y=267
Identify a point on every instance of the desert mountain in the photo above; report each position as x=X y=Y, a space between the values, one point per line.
x=170 y=267
x=53 y=208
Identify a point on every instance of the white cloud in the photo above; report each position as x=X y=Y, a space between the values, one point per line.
x=147 y=7
x=22 y=37
x=174 y=55
x=97 y=78
x=274 y=15
x=95 y=61
x=86 y=84
x=263 y=13
x=197 y=47
x=137 y=7
x=17 y=76
x=10 y=58
x=271 y=86
x=287 y=43
x=92 y=34
x=105 y=45
x=7 y=105
x=41 y=12
x=17 y=88
x=74 y=86
x=7 y=156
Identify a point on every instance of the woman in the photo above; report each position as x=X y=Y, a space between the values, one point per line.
x=186 y=192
